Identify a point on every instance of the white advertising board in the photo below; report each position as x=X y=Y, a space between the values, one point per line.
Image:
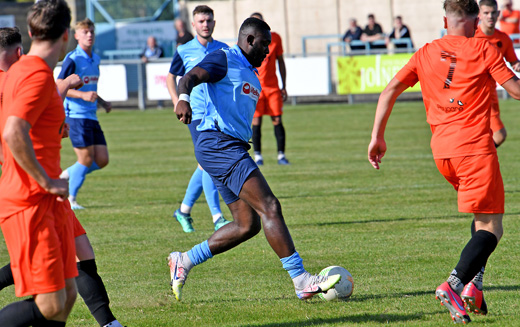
x=156 y=81
x=111 y=84
x=307 y=76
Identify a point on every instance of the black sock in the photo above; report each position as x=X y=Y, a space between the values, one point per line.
x=6 y=276
x=473 y=228
x=279 y=133
x=20 y=314
x=50 y=323
x=257 y=138
x=93 y=292
x=475 y=255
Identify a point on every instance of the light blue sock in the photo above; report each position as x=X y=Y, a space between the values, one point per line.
x=293 y=264
x=211 y=194
x=93 y=167
x=200 y=253
x=77 y=173
x=194 y=189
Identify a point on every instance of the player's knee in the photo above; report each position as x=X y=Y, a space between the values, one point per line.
x=103 y=162
x=52 y=308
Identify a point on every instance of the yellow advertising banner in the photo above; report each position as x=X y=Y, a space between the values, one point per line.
x=370 y=74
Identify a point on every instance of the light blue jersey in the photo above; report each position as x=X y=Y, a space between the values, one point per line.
x=87 y=68
x=186 y=57
x=233 y=91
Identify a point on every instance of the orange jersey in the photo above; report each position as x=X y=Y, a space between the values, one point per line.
x=510 y=28
x=267 y=72
x=29 y=92
x=455 y=74
x=502 y=41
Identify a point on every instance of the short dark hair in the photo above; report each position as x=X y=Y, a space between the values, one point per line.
x=203 y=9
x=48 y=19
x=462 y=8
x=9 y=36
x=371 y=16
x=254 y=23
x=489 y=3
x=257 y=14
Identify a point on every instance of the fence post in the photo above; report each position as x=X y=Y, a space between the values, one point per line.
x=140 y=87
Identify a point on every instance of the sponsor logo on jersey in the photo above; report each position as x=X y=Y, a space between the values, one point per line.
x=250 y=91
x=90 y=79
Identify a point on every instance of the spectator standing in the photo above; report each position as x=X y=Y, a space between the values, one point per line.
x=271 y=98
x=400 y=31
x=373 y=32
x=152 y=50
x=509 y=18
x=183 y=36
x=353 y=34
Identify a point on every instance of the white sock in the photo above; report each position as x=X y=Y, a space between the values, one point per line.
x=258 y=157
x=186 y=262
x=281 y=155
x=185 y=209
x=72 y=198
x=302 y=280
x=216 y=217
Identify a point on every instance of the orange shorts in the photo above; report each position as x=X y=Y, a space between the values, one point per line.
x=270 y=103
x=496 y=122
x=78 y=228
x=478 y=182
x=40 y=242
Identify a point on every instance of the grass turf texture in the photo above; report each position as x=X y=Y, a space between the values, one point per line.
x=396 y=230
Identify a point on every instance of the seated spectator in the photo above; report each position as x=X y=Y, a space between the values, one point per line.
x=400 y=31
x=353 y=33
x=152 y=50
x=183 y=36
x=373 y=32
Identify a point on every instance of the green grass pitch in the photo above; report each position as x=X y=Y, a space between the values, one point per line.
x=396 y=230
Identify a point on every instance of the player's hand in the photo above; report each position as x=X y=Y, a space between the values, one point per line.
x=284 y=94
x=66 y=129
x=74 y=81
x=89 y=96
x=105 y=104
x=183 y=111
x=516 y=66
x=376 y=152
x=59 y=187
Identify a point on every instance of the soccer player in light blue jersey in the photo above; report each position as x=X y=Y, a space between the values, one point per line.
x=229 y=77
x=80 y=105
x=187 y=56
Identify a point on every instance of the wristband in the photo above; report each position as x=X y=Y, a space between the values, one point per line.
x=184 y=97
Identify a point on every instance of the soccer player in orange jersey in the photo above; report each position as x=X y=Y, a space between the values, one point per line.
x=33 y=216
x=455 y=74
x=488 y=19
x=271 y=99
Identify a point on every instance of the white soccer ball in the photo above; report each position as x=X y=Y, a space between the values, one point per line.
x=343 y=289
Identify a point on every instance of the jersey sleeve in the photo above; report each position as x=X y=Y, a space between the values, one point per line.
x=408 y=74
x=279 y=46
x=177 y=66
x=215 y=64
x=497 y=66
x=68 y=68
x=32 y=97
x=509 y=51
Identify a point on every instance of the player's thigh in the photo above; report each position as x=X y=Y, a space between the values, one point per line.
x=274 y=102
x=257 y=193
x=447 y=169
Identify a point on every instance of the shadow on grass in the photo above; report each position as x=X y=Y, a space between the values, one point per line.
x=359 y=318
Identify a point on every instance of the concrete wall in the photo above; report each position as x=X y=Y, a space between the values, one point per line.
x=293 y=19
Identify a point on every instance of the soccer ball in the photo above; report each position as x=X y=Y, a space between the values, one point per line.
x=343 y=289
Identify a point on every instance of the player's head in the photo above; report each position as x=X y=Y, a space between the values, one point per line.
x=461 y=17
x=179 y=24
x=254 y=38
x=85 y=33
x=371 y=19
x=508 y=4
x=398 y=21
x=10 y=47
x=352 y=22
x=151 y=42
x=488 y=13
x=257 y=15
x=48 y=20
x=203 y=21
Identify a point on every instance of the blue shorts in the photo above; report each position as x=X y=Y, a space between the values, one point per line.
x=227 y=160
x=193 y=130
x=85 y=132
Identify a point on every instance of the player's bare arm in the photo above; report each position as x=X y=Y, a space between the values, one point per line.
x=89 y=96
x=17 y=138
x=71 y=82
x=516 y=66
x=377 y=146
x=193 y=78
x=283 y=74
x=172 y=88
x=105 y=104
x=512 y=87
